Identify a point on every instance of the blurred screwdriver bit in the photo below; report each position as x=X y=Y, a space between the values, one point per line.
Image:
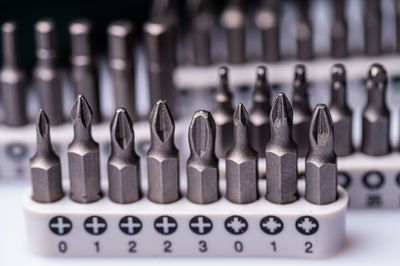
x=202 y=165
x=12 y=78
x=267 y=21
x=241 y=162
x=83 y=155
x=233 y=21
x=163 y=156
x=223 y=114
x=124 y=163
x=340 y=111
x=301 y=109
x=259 y=113
x=122 y=64
x=321 y=168
x=281 y=154
x=372 y=27
x=47 y=73
x=397 y=14
x=304 y=32
x=339 y=30
x=84 y=64
x=45 y=165
x=376 y=115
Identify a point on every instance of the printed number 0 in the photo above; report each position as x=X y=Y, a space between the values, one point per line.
x=132 y=246
x=203 y=246
x=167 y=246
x=238 y=246
x=308 y=247
x=62 y=247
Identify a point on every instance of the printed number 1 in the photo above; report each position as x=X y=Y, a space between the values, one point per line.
x=97 y=245
x=273 y=244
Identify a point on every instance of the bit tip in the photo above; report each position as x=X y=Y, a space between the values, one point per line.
x=80 y=27
x=202 y=132
x=321 y=133
x=42 y=124
x=9 y=27
x=122 y=128
x=223 y=73
x=338 y=73
x=281 y=111
x=162 y=121
x=120 y=28
x=81 y=111
x=300 y=72
x=261 y=73
x=45 y=26
x=378 y=75
x=240 y=116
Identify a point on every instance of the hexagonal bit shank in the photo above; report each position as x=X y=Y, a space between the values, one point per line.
x=124 y=163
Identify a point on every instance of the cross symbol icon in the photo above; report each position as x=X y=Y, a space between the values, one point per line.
x=60 y=225
x=307 y=225
x=95 y=225
x=165 y=225
x=130 y=225
x=271 y=225
x=200 y=225
x=236 y=225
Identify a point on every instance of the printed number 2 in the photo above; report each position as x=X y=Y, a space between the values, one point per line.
x=308 y=247
x=132 y=246
x=167 y=246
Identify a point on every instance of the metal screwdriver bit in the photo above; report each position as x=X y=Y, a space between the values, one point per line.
x=304 y=32
x=12 y=78
x=45 y=165
x=202 y=165
x=163 y=156
x=372 y=27
x=301 y=109
x=124 y=163
x=267 y=21
x=281 y=154
x=233 y=21
x=83 y=155
x=84 y=64
x=339 y=30
x=340 y=111
x=47 y=74
x=121 y=61
x=241 y=162
x=397 y=14
x=376 y=115
x=223 y=114
x=259 y=113
x=321 y=168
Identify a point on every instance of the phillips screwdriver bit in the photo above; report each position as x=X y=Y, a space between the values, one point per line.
x=124 y=163
x=83 y=155
x=259 y=113
x=12 y=78
x=339 y=30
x=241 y=162
x=372 y=27
x=321 y=168
x=202 y=165
x=121 y=61
x=376 y=115
x=163 y=156
x=223 y=114
x=233 y=21
x=301 y=110
x=47 y=73
x=304 y=32
x=45 y=165
x=267 y=21
x=84 y=64
x=340 y=111
x=281 y=154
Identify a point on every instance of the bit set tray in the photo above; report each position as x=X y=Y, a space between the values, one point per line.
x=182 y=228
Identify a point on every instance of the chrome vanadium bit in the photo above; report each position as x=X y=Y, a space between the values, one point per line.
x=340 y=111
x=281 y=154
x=223 y=115
x=321 y=168
x=339 y=30
x=259 y=113
x=45 y=165
x=304 y=32
x=376 y=115
x=83 y=155
x=163 y=156
x=124 y=163
x=241 y=162
x=202 y=165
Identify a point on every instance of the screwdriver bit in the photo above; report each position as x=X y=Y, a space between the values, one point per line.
x=304 y=32
x=340 y=111
x=321 y=168
x=84 y=65
x=202 y=165
x=47 y=73
x=281 y=154
x=339 y=30
x=376 y=115
x=163 y=156
x=45 y=165
x=267 y=21
x=241 y=162
x=397 y=14
x=223 y=114
x=121 y=61
x=12 y=78
x=372 y=27
x=233 y=21
x=124 y=163
x=83 y=155
x=259 y=113
x=301 y=110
